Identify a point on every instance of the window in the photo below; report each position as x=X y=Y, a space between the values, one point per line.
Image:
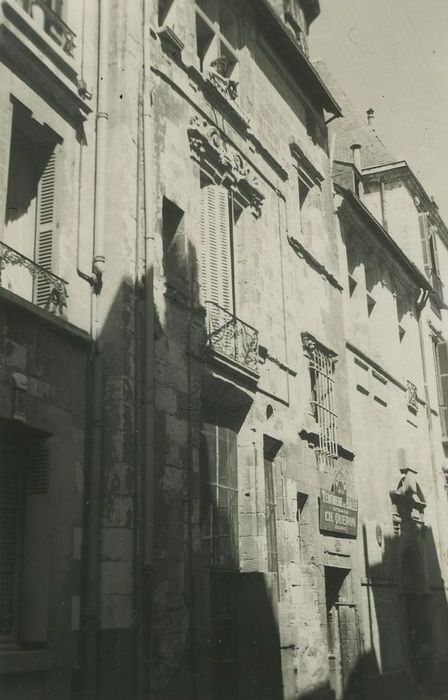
x=321 y=365
x=219 y=500
x=223 y=634
x=309 y=181
x=23 y=547
x=441 y=365
x=270 y=449
x=30 y=218
x=216 y=37
x=428 y=237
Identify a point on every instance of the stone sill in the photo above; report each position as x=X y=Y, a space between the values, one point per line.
x=24 y=661
x=44 y=316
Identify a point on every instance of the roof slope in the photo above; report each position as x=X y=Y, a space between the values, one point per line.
x=353 y=128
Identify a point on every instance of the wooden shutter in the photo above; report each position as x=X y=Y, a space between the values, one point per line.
x=216 y=262
x=424 y=239
x=45 y=228
x=11 y=469
x=442 y=371
x=34 y=608
x=435 y=252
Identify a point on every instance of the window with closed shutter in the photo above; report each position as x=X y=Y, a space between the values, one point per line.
x=424 y=239
x=24 y=536
x=216 y=246
x=441 y=361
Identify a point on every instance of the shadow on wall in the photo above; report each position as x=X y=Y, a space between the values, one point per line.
x=213 y=631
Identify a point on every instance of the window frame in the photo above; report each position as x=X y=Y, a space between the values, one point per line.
x=220 y=556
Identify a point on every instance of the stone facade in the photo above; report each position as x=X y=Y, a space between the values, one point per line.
x=233 y=483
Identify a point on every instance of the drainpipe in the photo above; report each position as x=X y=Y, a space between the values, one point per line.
x=93 y=482
x=102 y=117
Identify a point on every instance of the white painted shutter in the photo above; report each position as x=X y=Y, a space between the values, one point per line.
x=45 y=225
x=216 y=264
x=424 y=238
x=442 y=367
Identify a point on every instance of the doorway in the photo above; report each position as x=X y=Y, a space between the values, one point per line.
x=342 y=636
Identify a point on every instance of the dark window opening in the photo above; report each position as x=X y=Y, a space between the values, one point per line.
x=270 y=449
x=23 y=475
x=174 y=258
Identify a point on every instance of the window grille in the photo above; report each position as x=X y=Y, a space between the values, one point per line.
x=321 y=364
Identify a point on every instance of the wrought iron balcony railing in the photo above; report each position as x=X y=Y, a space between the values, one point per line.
x=45 y=289
x=232 y=338
x=47 y=14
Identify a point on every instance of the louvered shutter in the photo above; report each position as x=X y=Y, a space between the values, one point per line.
x=45 y=225
x=442 y=366
x=436 y=252
x=34 y=601
x=424 y=239
x=216 y=264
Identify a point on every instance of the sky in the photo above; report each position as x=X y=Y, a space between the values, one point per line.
x=392 y=55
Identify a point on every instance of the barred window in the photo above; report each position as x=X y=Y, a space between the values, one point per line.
x=321 y=365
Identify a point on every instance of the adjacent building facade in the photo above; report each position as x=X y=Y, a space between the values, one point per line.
x=223 y=400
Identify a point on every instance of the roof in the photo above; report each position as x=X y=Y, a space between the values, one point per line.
x=293 y=56
x=389 y=243
x=353 y=128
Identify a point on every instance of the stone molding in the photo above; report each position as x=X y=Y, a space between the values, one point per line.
x=226 y=164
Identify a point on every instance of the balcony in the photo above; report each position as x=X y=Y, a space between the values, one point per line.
x=231 y=340
x=46 y=15
x=22 y=276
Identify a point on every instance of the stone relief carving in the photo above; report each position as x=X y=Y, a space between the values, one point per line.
x=207 y=144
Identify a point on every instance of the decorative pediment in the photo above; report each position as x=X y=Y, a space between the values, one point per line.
x=311 y=344
x=226 y=164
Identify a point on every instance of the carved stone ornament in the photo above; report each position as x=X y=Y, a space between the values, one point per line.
x=208 y=145
x=310 y=344
x=411 y=396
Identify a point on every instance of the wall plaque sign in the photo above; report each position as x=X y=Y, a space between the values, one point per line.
x=338 y=514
